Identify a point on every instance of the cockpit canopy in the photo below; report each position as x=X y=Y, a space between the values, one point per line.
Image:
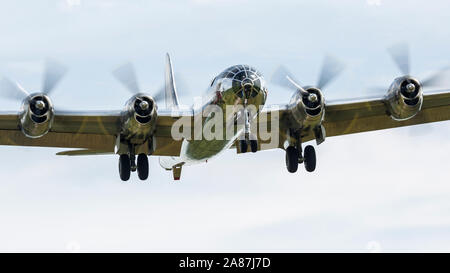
x=245 y=81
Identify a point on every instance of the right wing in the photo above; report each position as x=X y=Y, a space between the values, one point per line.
x=344 y=117
x=95 y=130
x=88 y=132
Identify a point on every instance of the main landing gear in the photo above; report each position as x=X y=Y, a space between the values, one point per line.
x=294 y=157
x=127 y=164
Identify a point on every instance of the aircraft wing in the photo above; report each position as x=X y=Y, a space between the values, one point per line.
x=344 y=117
x=89 y=132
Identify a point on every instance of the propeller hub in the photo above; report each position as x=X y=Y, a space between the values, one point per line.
x=144 y=105
x=312 y=97
x=410 y=88
x=40 y=104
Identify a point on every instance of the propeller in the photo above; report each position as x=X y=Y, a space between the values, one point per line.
x=286 y=79
x=331 y=68
x=126 y=75
x=400 y=54
x=53 y=73
x=12 y=90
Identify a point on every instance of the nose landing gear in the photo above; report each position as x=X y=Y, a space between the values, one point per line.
x=243 y=143
x=243 y=146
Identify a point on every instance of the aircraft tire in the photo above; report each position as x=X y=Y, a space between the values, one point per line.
x=124 y=167
x=310 y=158
x=142 y=166
x=254 y=146
x=243 y=145
x=292 y=159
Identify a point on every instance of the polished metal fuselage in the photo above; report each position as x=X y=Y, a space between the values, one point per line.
x=237 y=88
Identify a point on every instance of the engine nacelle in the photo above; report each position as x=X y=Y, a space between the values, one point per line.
x=404 y=98
x=139 y=120
x=36 y=116
x=307 y=109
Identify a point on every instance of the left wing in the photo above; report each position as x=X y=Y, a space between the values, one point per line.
x=344 y=117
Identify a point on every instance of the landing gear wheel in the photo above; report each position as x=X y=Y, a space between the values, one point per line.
x=243 y=145
x=292 y=159
x=310 y=158
x=142 y=166
x=254 y=145
x=124 y=167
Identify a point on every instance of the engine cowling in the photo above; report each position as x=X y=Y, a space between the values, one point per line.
x=139 y=120
x=307 y=108
x=36 y=117
x=404 y=98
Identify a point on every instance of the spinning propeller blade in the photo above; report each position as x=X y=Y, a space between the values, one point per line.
x=126 y=75
x=12 y=90
x=400 y=55
x=286 y=79
x=331 y=68
x=53 y=74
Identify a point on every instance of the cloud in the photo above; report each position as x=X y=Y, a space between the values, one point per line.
x=214 y=2
x=373 y=2
x=73 y=3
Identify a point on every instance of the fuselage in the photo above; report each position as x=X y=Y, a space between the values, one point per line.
x=237 y=91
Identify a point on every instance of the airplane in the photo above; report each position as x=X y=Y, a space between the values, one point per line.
x=141 y=129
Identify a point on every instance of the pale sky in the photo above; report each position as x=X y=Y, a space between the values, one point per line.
x=380 y=191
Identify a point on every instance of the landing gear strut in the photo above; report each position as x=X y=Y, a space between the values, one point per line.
x=132 y=157
x=243 y=143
